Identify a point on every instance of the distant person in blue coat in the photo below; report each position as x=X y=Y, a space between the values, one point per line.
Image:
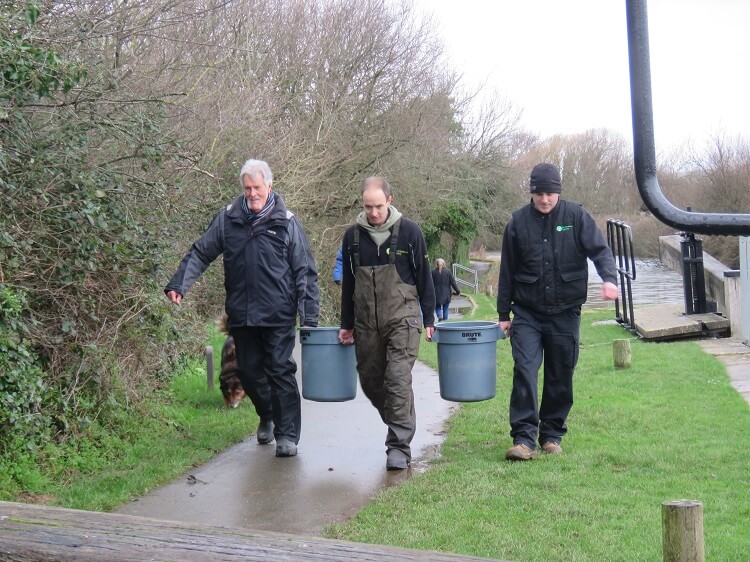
x=444 y=281
x=338 y=268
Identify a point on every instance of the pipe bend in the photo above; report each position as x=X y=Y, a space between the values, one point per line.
x=644 y=151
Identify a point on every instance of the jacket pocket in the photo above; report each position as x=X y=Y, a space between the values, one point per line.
x=572 y=286
x=573 y=276
x=525 y=278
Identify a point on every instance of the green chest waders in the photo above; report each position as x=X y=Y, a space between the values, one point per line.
x=387 y=326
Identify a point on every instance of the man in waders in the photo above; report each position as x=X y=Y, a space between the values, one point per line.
x=544 y=282
x=386 y=296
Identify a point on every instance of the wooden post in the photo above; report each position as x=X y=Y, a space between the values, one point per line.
x=682 y=531
x=621 y=352
x=210 y=367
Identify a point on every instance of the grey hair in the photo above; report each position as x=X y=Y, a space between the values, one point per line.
x=439 y=262
x=381 y=182
x=253 y=168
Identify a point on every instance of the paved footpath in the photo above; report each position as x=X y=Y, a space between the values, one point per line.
x=339 y=467
x=735 y=356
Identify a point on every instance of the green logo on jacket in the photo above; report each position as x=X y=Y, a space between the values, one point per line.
x=564 y=228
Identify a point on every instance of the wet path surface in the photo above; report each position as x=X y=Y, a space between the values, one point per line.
x=339 y=467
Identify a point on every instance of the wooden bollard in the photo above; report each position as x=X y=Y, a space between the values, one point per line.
x=621 y=353
x=210 y=367
x=682 y=531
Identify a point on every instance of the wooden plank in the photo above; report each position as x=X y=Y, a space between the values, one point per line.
x=670 y=322
x=34 y=532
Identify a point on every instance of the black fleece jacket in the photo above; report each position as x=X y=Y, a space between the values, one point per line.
x=543 y=262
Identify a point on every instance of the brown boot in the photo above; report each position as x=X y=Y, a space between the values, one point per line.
x=521 y=452
x=551 y=448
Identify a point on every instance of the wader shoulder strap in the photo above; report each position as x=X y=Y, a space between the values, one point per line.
x=355 y=247
x=394 y=242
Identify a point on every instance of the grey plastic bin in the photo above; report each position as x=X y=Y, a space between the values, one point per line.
x=467 y=359
x=329 y=369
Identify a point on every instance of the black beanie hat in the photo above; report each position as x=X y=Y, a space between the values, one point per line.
x=545 y=178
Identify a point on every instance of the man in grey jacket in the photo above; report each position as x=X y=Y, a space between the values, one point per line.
x=270 y=278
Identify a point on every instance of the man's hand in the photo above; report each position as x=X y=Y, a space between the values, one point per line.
x=346 y=337
x=505 y=327
x=457 y=293
x=428 y=332
x=609 y=291
x=174 y=296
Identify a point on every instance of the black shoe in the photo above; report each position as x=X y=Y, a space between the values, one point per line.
x=397 y=460
x=265 y=432
x=285 y=448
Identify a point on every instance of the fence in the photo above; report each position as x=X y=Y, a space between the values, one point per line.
x=459 y=270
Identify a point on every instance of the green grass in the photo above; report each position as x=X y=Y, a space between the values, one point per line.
x=670 y=427
x=182 y=428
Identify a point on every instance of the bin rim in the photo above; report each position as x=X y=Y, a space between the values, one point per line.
x=463 y=324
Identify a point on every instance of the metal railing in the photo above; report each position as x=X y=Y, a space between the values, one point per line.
x=459 y=269
x=620 y=239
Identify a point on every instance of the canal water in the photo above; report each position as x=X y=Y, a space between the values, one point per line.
x=654 y=283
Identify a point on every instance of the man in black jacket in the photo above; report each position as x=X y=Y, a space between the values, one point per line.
x=386 y=296
x=270 y=278
x=544 y=281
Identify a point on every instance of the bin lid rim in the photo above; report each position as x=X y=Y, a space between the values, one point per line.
x=465 y=325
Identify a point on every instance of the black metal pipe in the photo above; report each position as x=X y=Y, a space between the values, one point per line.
x=644 y=150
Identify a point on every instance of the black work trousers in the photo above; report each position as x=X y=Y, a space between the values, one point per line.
x=552 y=339
x=267 y=371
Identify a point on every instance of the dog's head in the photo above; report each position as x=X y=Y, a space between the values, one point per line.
x=231 y=388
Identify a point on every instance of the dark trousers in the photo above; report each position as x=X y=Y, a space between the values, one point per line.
x=552 y=339
x=267 y=371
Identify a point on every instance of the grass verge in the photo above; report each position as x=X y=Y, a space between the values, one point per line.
x=182 y=428
x=670 y=427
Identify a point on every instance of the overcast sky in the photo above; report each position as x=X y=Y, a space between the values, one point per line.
x=565 y=63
